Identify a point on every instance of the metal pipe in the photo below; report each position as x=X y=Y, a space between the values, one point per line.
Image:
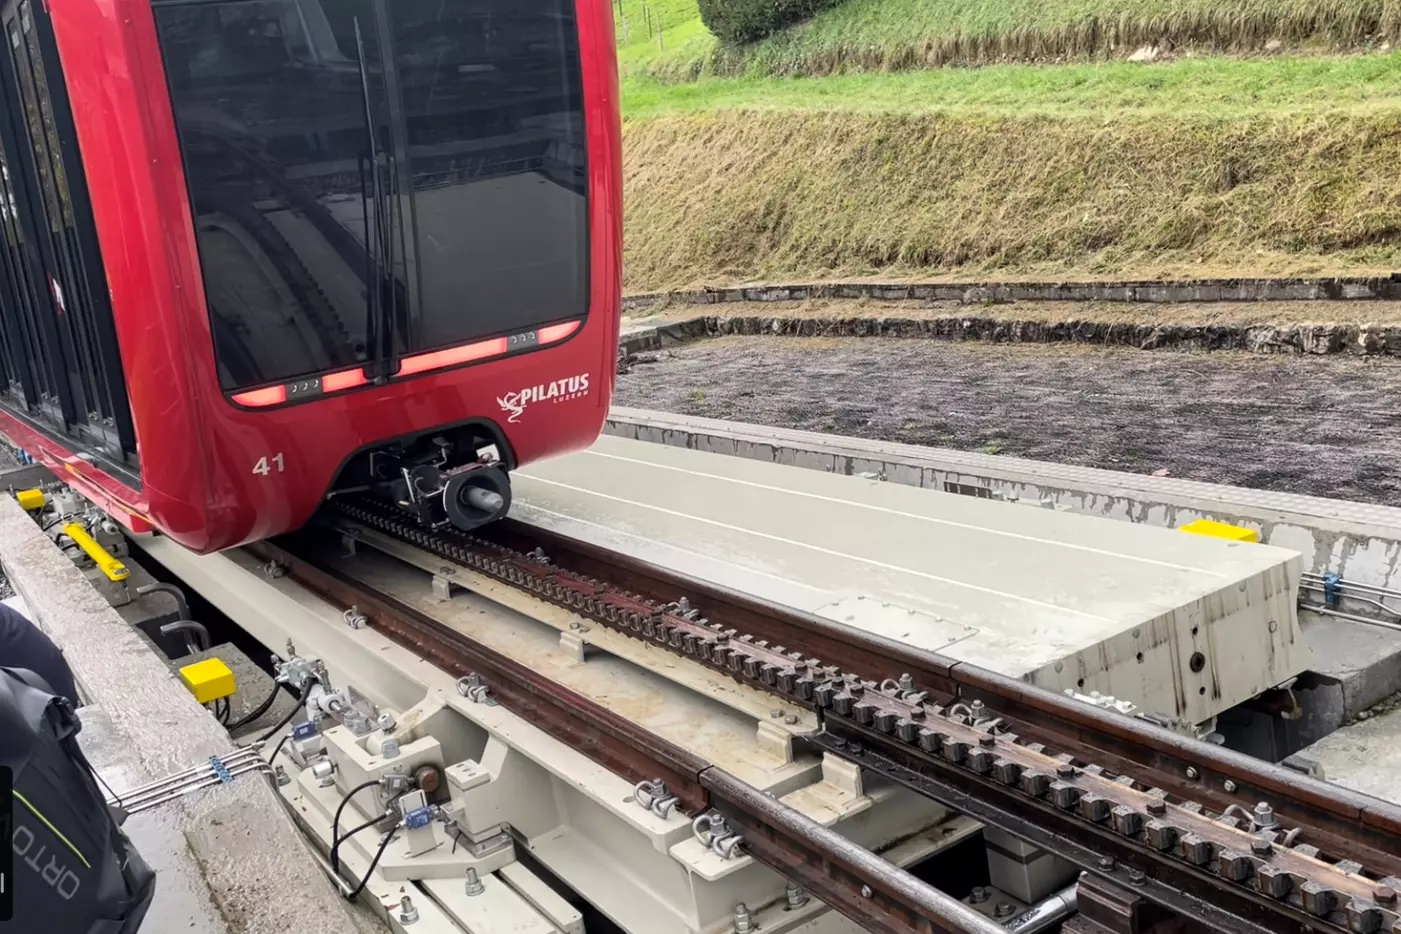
x=1317 y=582
x=1353 y=617
x=182 y=608
x=1047 y=914
x=209 y=783
x=235 y=758
x=188 y=625
x=238 y=756
x=182 y=787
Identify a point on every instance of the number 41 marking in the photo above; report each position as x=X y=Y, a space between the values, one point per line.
x=262 y=468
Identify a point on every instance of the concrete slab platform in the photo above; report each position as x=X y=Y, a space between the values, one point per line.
x=151 y=727
x=1182 y=625
x=1362 y=542
x=1365 y=756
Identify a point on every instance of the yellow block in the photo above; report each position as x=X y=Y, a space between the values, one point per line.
x=1212 y=529
x=31 y=499
x=114 y=569
x=208 y=680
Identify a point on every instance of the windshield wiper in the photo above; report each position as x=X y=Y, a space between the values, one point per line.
x=379 y=320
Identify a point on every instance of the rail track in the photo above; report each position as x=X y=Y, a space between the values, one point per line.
x=1226 y=842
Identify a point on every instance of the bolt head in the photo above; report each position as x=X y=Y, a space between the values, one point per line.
x=1004 y=910
x=1261 y=847
x=1384 y=894
x=1273 y=881
x=1106 y=863
x=979 y=895
x=1230 y=786
x=1318 y=899
x=1137 y=876
x=1192 y=773
x=1156 y=808
x=1127 y=821
x=1161 y=835
x=866 y=891
x=1234 y=866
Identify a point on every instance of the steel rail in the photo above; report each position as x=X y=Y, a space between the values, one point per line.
x=598 y=733
x=922 y=704
x=872 y=892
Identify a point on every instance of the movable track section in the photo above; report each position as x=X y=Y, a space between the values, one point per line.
x=1230 y=842
x=874 y=893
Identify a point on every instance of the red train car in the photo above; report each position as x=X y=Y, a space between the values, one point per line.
x=259 y=252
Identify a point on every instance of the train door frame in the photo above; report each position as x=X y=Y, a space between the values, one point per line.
x=66 y=281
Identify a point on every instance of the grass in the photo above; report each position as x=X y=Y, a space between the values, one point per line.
x=886 y=35
x=1212 y=86
x=1085 y=168
x=724 y=196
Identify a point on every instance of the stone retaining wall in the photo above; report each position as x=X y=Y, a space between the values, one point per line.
x=1359 y=340
x=1187 y=290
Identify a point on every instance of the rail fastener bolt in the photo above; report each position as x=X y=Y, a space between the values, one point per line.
x=408 y=914
x=794 y=896
x=744 y=921
x=475 y=886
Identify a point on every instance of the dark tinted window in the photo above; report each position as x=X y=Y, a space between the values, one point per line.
x=491 y=99
x=446 y=135
x=56 y=327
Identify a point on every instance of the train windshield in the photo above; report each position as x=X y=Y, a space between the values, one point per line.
x=375 y=178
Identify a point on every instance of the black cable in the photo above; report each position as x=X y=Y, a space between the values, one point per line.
x=278 y=748
x=384 y=845
x=336 y=845
x=284 y=721
x=263 y=708
x=340 y=809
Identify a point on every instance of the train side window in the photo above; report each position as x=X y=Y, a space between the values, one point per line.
x=53 y=264
x=492 y=119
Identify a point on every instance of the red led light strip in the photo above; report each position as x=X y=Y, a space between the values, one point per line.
x=409 y=366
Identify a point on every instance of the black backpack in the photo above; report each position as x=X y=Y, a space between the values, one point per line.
x=74 y=870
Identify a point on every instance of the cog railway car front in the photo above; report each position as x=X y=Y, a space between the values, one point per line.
x=349 y=244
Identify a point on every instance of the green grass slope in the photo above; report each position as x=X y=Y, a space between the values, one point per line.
x=665 y=38
x=1207 y=87
x=718 y=197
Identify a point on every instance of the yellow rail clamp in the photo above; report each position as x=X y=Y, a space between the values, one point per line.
x=31 y=500
x=208 y=680
x=1210 y=529
x=114 y=569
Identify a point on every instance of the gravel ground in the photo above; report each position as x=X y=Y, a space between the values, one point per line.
x=1323 y=426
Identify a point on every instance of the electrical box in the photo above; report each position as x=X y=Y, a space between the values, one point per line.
x=208 y=680
x=1210 y=529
